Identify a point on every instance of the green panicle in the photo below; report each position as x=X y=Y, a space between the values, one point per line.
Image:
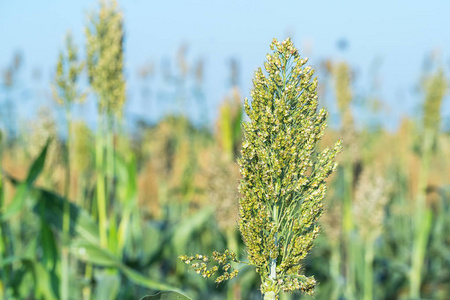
x=283 y=175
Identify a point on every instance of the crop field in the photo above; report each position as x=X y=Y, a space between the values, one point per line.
x=270 y=200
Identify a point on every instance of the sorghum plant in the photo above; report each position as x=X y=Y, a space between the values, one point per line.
x=68 y=70
x=65 y=91
x=104 y=49
x=105 y=57
x=283 y=176
x=371 y=198
x=342 y=83
x=344 y=97
x=435 y=88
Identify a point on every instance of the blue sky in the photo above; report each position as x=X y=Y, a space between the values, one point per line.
x=396 y=33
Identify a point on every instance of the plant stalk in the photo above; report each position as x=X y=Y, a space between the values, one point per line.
x=335 y=271
x=368 y=267
x=348 y=230
x=101 y=197
x=65 y=268
x=423 y=218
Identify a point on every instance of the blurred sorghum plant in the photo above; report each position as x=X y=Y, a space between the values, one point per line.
x=68 y=70
x=342 y=82
x=371 y=198
x=435 y=86
x=343 y=91
x=283 y=175
x=105 y=57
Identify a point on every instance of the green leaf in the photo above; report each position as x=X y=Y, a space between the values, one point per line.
x=112 y=236
x=17 y=202
x=21 y=194
x=50 y=255
x=170 y=295
x=144 y=281
x=14 y=260
x=127 y=182
x=44 y=280
x=86 y=245
x=81 y=223
x=37 y=166
x=102 y=257
x=45 y=283
x=127 y=191
x=93 y=254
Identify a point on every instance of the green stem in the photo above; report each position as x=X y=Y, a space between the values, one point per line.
x=87 y=278
x=109 y=188
x=273 y=290
x=423 y=176
x=101 y=197
x=368 y=268
x=347 y=216
x=418 y=255
x=335 y=271
x=273 y=263
x=422 y=224
x=81 y=187
x=109 y=167
x=64 y=288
